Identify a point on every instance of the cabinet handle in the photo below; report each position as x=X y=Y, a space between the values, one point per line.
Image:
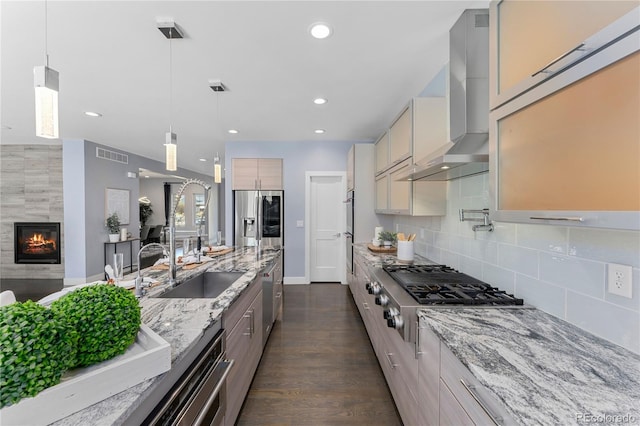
x=559 y=58
x=569 y=218
x=472 y=391
x=251 y=327
x=418 y=352
x=389 y=355
x=278 y=295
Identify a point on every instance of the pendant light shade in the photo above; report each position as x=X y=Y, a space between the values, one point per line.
x=217 y=170
x=171 y=151
x=45 y=81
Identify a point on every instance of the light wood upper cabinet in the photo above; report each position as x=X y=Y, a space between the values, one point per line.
x=564 y=151
x=256 y=173
x=430 y=126
x=400 y=136
x=401 y=197
x=382 y=153
x=524 y=53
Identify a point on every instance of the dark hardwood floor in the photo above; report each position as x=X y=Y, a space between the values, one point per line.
x=318 y=367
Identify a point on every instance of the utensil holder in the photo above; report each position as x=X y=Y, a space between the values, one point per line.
x=405 y=251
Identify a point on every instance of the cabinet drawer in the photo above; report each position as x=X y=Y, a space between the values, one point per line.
x=479 y=404
x=231 y=316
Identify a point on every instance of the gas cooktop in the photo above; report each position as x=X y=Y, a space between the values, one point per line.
x=443 y=285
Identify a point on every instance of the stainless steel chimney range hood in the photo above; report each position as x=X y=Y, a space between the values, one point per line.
x=468 y=151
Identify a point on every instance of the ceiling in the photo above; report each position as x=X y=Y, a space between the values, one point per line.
x=112 y=59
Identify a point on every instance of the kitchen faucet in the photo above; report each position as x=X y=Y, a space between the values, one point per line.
x=172 y=225
x=139 y=278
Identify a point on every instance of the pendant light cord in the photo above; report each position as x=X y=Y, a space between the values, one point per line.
x=170 y=79
x=46 y=30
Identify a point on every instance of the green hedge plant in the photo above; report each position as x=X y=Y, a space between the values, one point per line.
x=36 y=348
x=106 y=317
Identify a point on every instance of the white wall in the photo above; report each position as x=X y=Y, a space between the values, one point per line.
x=560 y=270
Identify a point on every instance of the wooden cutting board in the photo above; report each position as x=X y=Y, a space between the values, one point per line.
x=165 y=267
x=381 y=249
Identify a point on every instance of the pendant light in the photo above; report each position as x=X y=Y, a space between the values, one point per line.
x=171 y=31
x=45 y=81
x=217 y=169
x=217 y=87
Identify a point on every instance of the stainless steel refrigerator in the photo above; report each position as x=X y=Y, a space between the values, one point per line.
x=258 y=218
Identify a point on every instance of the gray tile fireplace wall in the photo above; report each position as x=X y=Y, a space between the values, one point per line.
x=30 y=191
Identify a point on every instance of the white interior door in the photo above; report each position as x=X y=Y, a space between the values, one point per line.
x=326 y=228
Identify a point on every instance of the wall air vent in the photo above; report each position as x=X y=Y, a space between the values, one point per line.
x=118 y=157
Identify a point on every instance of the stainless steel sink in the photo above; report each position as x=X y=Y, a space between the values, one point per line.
x=207 y=285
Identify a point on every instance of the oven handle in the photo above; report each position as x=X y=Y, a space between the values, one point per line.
x=215 y=392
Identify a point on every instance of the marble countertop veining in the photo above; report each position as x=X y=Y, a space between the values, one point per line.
x=545 y=370
x=181 y=322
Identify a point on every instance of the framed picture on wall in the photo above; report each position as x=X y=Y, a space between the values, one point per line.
x=117 y=200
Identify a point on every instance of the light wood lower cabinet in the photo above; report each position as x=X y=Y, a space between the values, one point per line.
x=244 y=345
x=452 y=412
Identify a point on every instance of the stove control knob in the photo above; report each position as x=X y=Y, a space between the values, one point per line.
x=396 y=322
x=382 y=300
x=367 y=286
x=390 y=313
x=375 y=289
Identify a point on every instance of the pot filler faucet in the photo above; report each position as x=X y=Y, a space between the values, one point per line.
x=172 y=225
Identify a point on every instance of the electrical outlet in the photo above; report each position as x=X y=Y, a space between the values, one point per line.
x=619 y=279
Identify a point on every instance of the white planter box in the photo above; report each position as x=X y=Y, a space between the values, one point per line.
x=147 y=357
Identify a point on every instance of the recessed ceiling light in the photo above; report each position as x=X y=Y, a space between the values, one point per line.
x=319 y=131
x=146 y=176
x=445 y=167
x=320 y=30
x=233 y=131
x=319 y=101
x=203 y=159
x=92 y=114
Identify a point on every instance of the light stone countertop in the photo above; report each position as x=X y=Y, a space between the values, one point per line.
x=181 y=322
x=544 y=370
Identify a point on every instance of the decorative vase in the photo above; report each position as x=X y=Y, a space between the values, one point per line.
x=123 y=234
x=114 y=238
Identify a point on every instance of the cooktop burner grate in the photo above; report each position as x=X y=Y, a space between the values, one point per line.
x=443 y=285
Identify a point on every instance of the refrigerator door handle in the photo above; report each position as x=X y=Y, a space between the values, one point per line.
x=259 y=217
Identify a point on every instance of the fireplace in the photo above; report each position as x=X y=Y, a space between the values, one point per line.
x=37 y=242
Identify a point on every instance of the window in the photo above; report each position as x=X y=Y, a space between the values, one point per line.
x=199 y=213
x=179 y=216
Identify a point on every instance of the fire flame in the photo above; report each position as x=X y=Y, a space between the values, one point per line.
x=38 y=241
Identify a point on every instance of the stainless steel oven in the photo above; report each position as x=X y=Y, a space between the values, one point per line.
x=199 y=397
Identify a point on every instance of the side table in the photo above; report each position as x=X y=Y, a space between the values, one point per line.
x=107 y=251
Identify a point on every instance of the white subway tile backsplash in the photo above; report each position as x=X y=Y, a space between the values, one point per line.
x=540 y=237
x=484 y=250
x=471 y=186
x=504 y=232
x=544 y=296
x=583 y=276
x=606 y=245
x=616 y=324
x=499 y=277
x=470 y=266
x=519 y=259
